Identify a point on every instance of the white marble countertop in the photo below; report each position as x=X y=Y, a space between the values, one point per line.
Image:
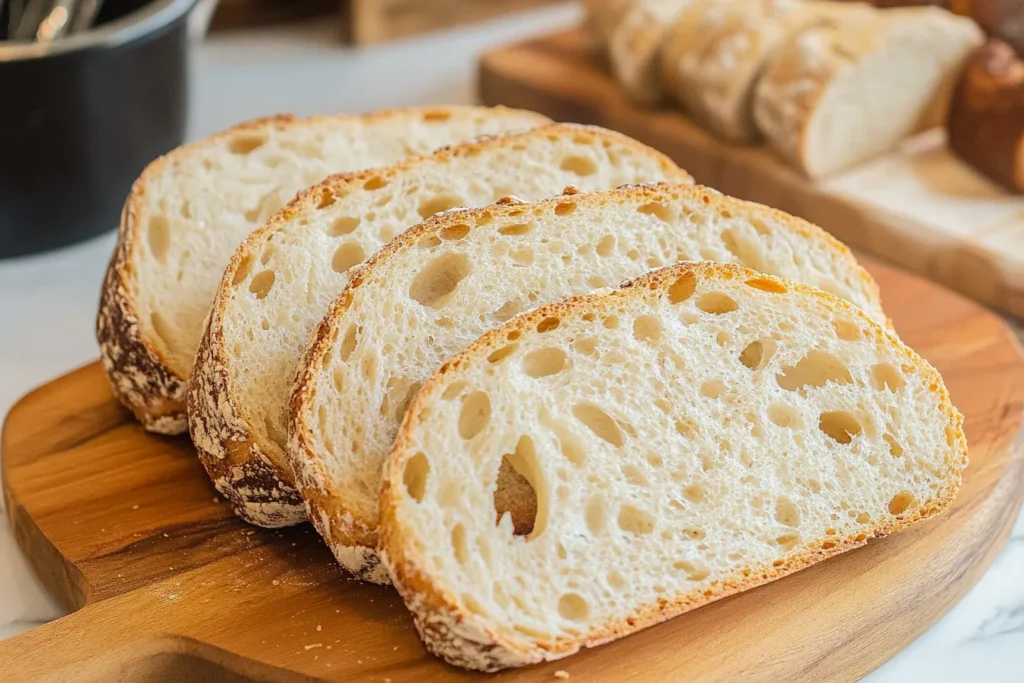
x=48 y=303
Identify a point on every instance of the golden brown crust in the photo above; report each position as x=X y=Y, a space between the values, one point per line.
x=229 y=447
x=141 y=374
x=464 y=639
x=986 y=117
x=346 y=528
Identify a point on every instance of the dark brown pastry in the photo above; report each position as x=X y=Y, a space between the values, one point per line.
x=986 y=117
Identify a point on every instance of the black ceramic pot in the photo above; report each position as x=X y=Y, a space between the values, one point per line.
x=81 y=117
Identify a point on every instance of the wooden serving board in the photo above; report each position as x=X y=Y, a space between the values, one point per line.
x=125 y=528
x=918 y=206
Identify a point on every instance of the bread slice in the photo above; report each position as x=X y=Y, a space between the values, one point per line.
x=282 y=279
x=600 y=17
x=716 y=52
x=605 y=463
x=634 y=47
x=189 y=211
x=440 y=285
x=836 y=96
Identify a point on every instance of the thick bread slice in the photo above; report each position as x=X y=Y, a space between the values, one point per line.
x=440 y=285
x=635 y=43
x=282 y=279
x=716 y=51
x=189 y=210
x=602 y=464
x=833 y=97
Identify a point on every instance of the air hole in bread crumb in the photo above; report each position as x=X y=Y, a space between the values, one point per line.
x=611 y=322
x=716 y=303
x=585 y=345
x=885 y=376
x=375 y=183
x=784 y=416
x=519 y=491
x=244 y=268
x=598 y=422
x=523 y=256
x=657 y=209
x=900 y=502
x=895 y=449
x=788 y=541
x=548 y=324
x=438 y=203
x=786 y=512
x=606 y=246
x=414 y=476
x=846 y=330
x=434 y=285
x=436 y=116
x=343 y=226
x=347 y=255
x=694 y=493
x=573 y=607
x=635 y=521
x=568 y=442
x=694 y=570
x=841 y=425
x=595 y=512
x=459 y=543
x=327 y=198
x=654 y=460
x=501 y=354
x=712 y=388
x=262 y=283
x=453 y=390
x=452 y=233
x=159 y=234
x=246 y=144
x=814 y=485
x=399 y=394
x=647 y=329
x=682 y=289
x=634 y=475
x=757 y=353
x=767 y=285
x=581 y=166
x=816 y=369
x=544 y=362
x=348 y=343
x=507 y=310
x=160 y=327
x=428 y=241
x=863 y=518
x=474 y=415
x=516 y=229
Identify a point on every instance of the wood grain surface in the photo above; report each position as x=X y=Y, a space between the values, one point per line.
x=125 y=528
x=918 y=206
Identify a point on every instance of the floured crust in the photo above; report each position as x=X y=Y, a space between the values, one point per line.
x=464 y=639
x=346 y=528
x=141 y=373
x=227 y=443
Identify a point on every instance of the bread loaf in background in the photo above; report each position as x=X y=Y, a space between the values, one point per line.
x=635 y=45
x=986 y=118
x=834 y=97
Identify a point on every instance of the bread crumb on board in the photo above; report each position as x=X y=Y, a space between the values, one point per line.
x=562 y=673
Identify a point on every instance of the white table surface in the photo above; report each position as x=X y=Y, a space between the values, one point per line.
x=48 y=303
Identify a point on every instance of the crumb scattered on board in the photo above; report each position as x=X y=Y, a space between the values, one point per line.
x=312 y=645
x=562 y=673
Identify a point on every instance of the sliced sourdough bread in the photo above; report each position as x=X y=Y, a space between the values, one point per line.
x=605 y=463
x=189 y=211
x=835 y=96
x=441 y=284
x=717 y=50
x=282 y=279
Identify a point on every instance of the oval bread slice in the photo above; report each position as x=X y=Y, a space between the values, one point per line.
x=189 y=211
x=604 y=463
x=437 y=287
x=282 y=279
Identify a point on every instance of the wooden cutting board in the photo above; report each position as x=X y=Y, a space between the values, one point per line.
x=919 y=206
x=125 y=528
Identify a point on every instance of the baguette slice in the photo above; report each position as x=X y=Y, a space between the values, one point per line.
x=605 y=463
x=634 y=47
x=282 y=279
x=509 y=257
x=717 y=50
x=189 y=211
x=835 y=96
